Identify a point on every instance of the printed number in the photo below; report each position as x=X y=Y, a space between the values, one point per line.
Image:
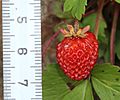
x=22 y=51
x=22 y=19
x=25 y=83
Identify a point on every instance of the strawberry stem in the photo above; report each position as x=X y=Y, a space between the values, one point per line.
x=113 y=31
x=76 y=26
x=99 y=14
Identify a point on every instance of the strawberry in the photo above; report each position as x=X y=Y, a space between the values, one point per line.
x=77 y=52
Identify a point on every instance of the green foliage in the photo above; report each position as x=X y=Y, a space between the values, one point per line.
x=81 y=92
x=75 y=7
x=118 y=1
x=106 y=81
x=54 y=86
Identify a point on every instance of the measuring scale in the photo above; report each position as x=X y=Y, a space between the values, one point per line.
x=22 y=58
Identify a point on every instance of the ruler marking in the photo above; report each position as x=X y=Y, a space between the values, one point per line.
x=37 y=47
x=5 y=32
x=38 y=60
x=5 y=10
x=36 y=98
x=5 y=13
x=9 y=67
x=6 y=41
x=9 y=83
x=34 y=19
x=37 y=6
x=6 y=45
x=8 y=35
x=34 y=66
x=7 y=76
x=36 y=0
x=7 y=92
x=7 y=80
x=37 y=13
x=37 y=25
x=6 y=64
x=5 y=7
x=36 y=9
x=6 y=16
x=6 y=57
x=5 y=19
x=35 y=51
x=34 y=34
x=35 y=82
x=10 y=99
x=6 y=23
x=6 y=48
x=37 y=16
x=34 y=3
x=8 y=53
x=7 y=60
x=8 y=86
x=6 y=38
x=7 y=4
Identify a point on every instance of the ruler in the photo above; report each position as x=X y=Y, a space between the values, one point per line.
x=22 y=60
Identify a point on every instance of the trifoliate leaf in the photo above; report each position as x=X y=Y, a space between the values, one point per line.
x=106 y=81
x=81 y=92
x=54 y=86
x=76 y=7
x=118 y=1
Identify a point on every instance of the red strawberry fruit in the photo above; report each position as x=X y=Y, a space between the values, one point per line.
x=77 y=52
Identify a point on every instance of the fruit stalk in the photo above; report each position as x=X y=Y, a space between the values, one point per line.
x=46 y=44
x=99 y=14
x=113 y=31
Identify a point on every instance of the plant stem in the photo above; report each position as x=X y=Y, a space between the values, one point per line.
x=46 y=45
x=113 y=31
x=99 y=14
x=89 y=12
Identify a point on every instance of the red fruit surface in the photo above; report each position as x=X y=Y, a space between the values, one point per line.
x=77 y=56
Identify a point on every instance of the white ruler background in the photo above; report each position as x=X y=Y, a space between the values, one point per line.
x=22 y=58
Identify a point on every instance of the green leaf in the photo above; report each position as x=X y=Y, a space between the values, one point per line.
x=118 y=1
x=91 y=20
x=76 y=7
x=54 y=85
x=82 y=92
x=106 y=81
